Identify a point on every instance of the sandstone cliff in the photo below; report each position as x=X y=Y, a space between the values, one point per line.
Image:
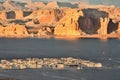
x=11 y=5
x=93 y=22
x=103 y=26
x=68 y=25
x=13 y=30
x=52 y=5
x=114 y=13
x=3 y=15
x=46 y=16
x=35 y=5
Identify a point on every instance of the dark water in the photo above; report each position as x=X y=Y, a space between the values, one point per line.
x=106 y=52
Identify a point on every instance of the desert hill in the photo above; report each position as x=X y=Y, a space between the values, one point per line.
x=11 y=5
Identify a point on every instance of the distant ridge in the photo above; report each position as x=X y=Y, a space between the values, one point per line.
x=9 y=4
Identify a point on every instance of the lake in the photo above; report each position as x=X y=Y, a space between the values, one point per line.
x=107 y=52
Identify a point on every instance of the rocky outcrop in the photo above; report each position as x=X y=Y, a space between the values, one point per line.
x=14 y=14
x=3 y=15
x=47 y=17
x=52 y=5
x=18 y=14
x=45 y=31
x=68 y=25
x=53 y=63
x=13 y=30
x=118 y=30
x=1 y=7
x=103 y=26
x=114 y=13
x=35 y=5
x=90 y=22
x=11 y=5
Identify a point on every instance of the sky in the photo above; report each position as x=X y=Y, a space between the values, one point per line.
x=105 y=2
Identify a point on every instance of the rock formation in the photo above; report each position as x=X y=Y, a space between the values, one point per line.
x=52 y=5
x=35 y=5
x=46 y=31
x=118 y=30
x=14 y=14
x=68 y=25
x=53 y=63
x=1 y=7
x=103 y=26
x=90 y=22
x=13 y=30
x=18 y=14
x=114 y=13
x=3 y=15
x=11 y=5
x=46 y=17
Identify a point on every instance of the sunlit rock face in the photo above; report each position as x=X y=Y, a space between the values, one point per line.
x=93 y=21
x=87 y=21
x=46 y=16
x=13 y=30
x=3 y=15
x=103 y=26
x=68 y=25
x=118 y=30
x=114 y=13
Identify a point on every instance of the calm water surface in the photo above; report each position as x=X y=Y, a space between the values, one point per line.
x=106 y=52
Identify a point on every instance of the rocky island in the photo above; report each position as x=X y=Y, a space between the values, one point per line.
x=57 y=19
x=53 y=63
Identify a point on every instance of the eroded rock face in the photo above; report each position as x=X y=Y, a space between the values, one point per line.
x=11 y=5
x=19 y=14
x=13 y=30
x=114 y=13
x=68 y=25
x=52 y=5
x=118 y=30
x=46 y=16
x=103 y=26
x=90 y=22
x=3 y=15
x=10 y=15
x=46 y=31
x=35 y=5
x=1 y=7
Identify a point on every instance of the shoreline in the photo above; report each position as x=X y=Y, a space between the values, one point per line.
x=69 y=37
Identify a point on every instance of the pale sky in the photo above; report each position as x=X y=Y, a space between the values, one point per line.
x=106 y=2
